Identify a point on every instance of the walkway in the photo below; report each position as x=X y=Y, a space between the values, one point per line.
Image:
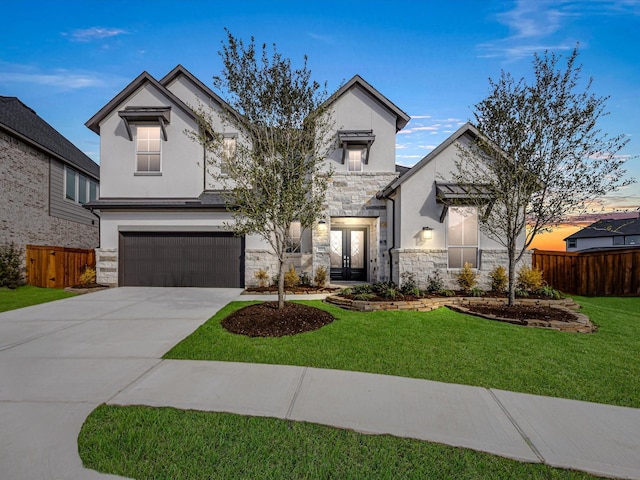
x=59 y=361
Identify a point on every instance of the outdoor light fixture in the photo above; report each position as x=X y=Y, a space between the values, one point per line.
x=427 y=233
x=322 y=225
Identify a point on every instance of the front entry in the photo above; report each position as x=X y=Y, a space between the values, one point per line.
x=348 y=254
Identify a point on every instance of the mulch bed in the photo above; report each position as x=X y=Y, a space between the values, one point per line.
x=524 y=312
x=265 y=320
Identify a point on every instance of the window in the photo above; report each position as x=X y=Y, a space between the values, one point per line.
x=356 y=156
x=632 y=240
x=618 y=240
x=572 y=243
x=295 y=234
x=79 y=188
x=228 y=152
x=462 y=235
x=148 y=149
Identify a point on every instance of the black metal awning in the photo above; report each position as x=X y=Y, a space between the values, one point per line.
x=161 y=115
x=449 y=194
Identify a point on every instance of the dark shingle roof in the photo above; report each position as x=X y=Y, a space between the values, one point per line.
x=609 y=228
x=17 y=118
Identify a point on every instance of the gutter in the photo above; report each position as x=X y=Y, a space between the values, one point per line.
x=380 y=196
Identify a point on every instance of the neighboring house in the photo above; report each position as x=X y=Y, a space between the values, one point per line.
x=44 y=181
x=163 y=218
x=606 y=233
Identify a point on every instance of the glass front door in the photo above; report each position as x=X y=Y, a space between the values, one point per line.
x=348 y=254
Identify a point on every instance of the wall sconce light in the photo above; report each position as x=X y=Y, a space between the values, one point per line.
x=427 y=233
x=322 y=226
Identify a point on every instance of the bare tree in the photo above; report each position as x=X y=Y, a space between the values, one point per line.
x=273 y=176
x=539 y=155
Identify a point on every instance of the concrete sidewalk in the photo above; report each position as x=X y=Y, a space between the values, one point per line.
x=60 y=360
x=600 y=439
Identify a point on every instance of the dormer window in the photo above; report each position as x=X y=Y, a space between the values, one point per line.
x=355 y=145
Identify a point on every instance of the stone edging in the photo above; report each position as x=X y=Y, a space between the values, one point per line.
x=582 y=323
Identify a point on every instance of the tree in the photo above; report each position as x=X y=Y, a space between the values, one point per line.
x=274 y=177
x=539 y=155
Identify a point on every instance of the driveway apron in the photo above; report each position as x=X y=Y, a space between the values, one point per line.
x=60 y=360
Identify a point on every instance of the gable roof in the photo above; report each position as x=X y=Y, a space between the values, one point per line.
x=21 y=121
x=466 y=128
x=94 y=122
x=401 y=117
x=180 y=71
x=609 y=227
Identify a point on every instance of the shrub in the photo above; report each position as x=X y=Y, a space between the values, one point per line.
x=529 y=279
x=88 y=277
x=364 y=296
x=320 y=278
x=10 y=266
x=435 y=284
x=263 y=277
x=547 y=291
x=305 y=279
x=499 y=279
x=467 y=278
x=362 y=288
x=291 y=277
x=476 y=292
x=409 y=285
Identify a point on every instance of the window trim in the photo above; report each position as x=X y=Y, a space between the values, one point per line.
x=77 y=176
x=363 y=157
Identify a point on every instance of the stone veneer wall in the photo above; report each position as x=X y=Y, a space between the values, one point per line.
x=24 y=202
x=255 y=260
x=107 y=266
x=422 y=263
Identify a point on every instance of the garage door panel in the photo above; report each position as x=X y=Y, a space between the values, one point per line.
x=181 y=259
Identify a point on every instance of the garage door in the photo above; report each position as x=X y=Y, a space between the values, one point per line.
x=180 y=259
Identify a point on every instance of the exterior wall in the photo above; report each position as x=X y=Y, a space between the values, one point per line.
x=61 y=207
x=597 y=242
x=182 y=174
x=422 y=263
x=25 y=216
x=357 y=110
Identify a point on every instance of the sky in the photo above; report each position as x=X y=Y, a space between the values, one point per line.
x=66 y=59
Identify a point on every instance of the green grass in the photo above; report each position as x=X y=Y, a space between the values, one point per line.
x=165 y=443
x=27 y=295
x=450 y=347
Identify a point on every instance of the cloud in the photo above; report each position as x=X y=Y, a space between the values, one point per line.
x=321 y=38
x=94 y=33
x=61 y=79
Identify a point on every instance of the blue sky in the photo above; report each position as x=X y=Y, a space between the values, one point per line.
x=432 y=58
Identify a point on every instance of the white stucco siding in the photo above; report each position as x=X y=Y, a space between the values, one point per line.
x=113 y=222
x=585 y=243
x=181 y=158
x=357 y=110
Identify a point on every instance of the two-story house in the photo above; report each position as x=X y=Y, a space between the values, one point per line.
x=164 y=223
x=44 y=182
x=606 y=233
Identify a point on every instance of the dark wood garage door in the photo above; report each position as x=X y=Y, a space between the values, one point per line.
x=180 y=259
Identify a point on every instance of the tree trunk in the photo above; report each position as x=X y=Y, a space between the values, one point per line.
x=280 y=284
x=512 y=277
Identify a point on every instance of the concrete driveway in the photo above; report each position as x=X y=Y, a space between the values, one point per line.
x=60 y=360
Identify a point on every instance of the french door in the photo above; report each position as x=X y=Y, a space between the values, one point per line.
x=348 y=253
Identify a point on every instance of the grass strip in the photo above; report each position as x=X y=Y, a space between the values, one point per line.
x=165 y=443
x=28 y=295
x=446 y=346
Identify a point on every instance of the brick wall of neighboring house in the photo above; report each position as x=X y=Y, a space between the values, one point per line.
x=24 y=201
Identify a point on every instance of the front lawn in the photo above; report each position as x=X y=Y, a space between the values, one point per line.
x=450 y=347
x=28 y=295
x=165 y=443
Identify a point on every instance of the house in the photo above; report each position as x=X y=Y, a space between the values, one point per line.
x=606 y=233
x=164 y=220
x=44 y=181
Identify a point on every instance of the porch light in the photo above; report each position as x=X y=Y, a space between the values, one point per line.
x=427 y=233
x=322 y=226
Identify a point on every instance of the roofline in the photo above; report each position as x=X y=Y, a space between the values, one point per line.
x=467 y=127
x=94 y=122
x=44 y=149
x=181 y=70
x=402 y=118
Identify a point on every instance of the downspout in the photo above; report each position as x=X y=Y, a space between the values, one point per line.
x=380 y=196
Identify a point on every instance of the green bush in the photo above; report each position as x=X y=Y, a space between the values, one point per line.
x=305 y=279
x=499 y=279
x=529 y=279
x=467 y=278
x=435 y=284
x=476 y=292
x=11 y=269
x=409 y=285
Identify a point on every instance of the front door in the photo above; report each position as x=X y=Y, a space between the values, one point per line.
x=349 y=254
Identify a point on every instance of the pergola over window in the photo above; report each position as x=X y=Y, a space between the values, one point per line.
x=148 y=115
x=355 y=145
x=450 y=194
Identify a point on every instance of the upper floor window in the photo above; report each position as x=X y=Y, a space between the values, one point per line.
x=462 y=236
x=148 y=148
x=229 y=143
x=79 y=188
x=572 y=243
x=295 y=236
x=355 y=145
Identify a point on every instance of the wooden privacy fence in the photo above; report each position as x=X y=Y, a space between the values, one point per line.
x=57 y=267
x=597 y=273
